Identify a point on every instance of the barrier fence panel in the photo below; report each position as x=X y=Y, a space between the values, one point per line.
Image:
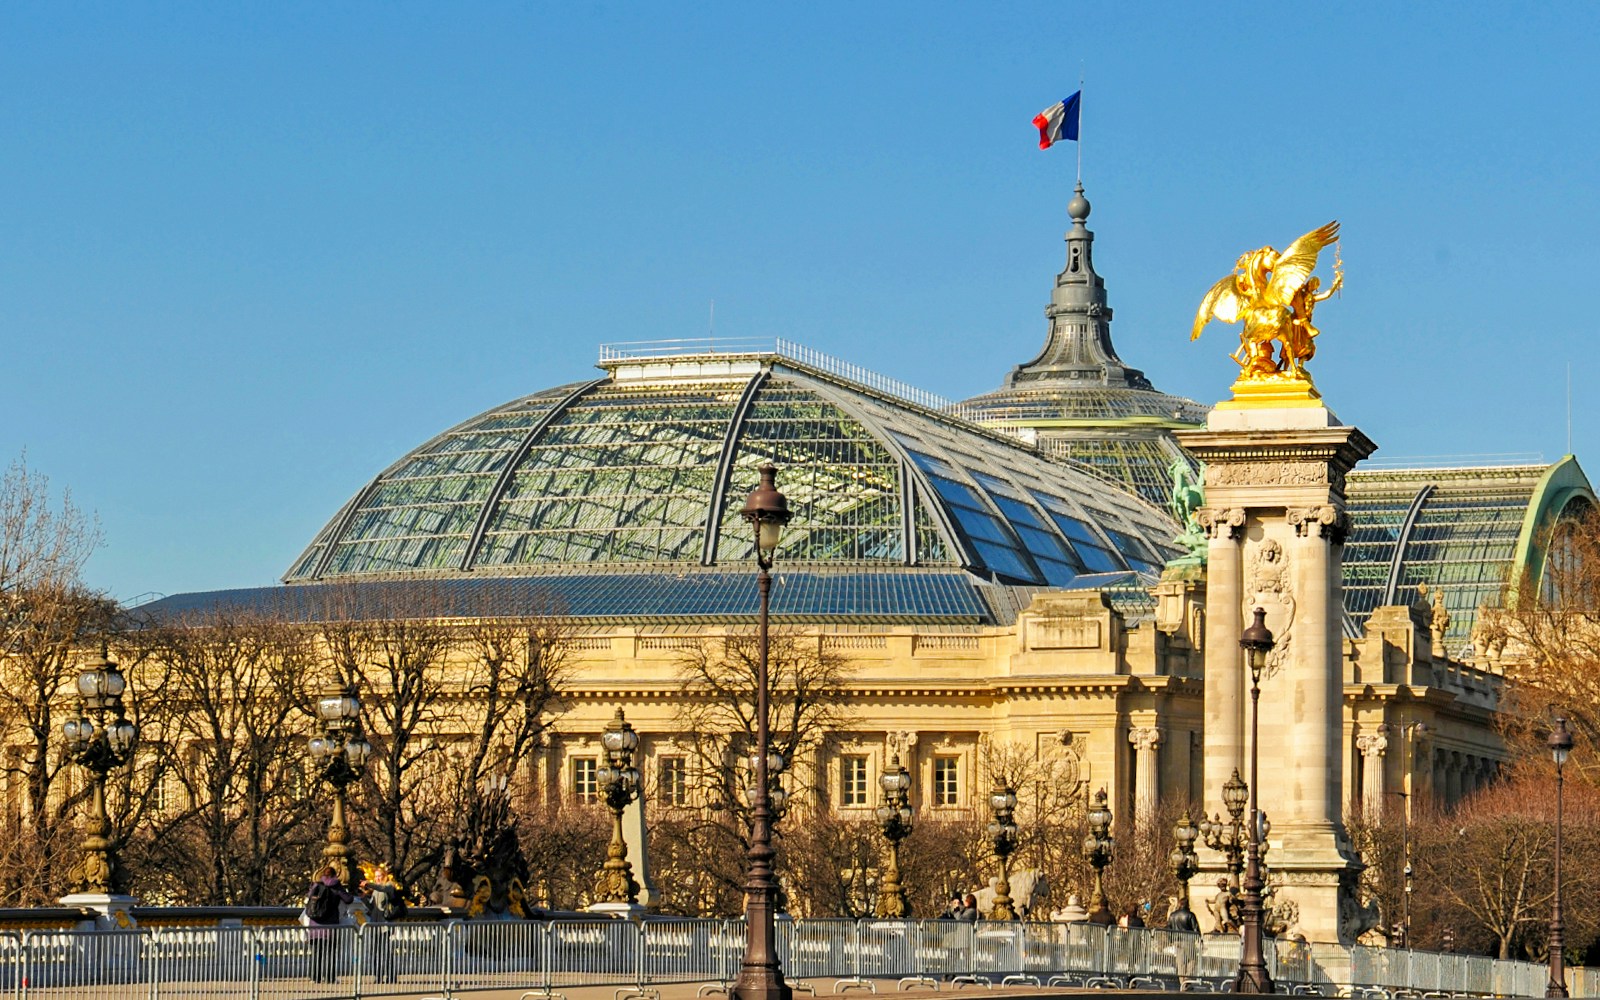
x=594 y=951
x=996 y=948
x=10 y=963
x=95 y=965
x=404 y=957
x=887 y=949
x=816 y=948
x=290 y=963
x=202 y=961
x=502 y=954
x=684 y=951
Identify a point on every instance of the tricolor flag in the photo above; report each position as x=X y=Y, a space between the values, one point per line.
x=1058 y=121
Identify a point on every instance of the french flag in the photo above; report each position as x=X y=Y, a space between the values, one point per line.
x=1058 y=121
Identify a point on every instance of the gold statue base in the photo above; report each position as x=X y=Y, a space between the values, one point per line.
x=1272 y=392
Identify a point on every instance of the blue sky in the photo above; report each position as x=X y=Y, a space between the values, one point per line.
x=250 y=254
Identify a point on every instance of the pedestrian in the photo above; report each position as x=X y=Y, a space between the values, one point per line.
x=322 y=917
x=385 y=906
x=969 y=909
x=952 y=908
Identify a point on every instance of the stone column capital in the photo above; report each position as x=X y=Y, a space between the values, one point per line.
x=1327 y=520
x=1372 y=744
x=1221 y=522
x=1145 y=737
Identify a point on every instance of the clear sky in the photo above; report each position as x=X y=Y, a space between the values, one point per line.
x=252 y=253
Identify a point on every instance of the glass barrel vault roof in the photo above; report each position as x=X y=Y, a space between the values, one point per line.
x=649 y=467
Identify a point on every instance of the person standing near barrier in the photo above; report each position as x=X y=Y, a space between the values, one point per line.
x=385 y=906
x=322 y=919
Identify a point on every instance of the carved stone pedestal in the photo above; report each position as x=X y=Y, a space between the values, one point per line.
x=1274 y=486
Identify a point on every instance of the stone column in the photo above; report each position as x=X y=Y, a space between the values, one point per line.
x=1310 y=685
x=1145 y=742
x=1225 y=691
x=1372 y=747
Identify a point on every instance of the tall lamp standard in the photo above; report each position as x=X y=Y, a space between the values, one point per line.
x=619 y=785
x=1004 y=833
x=1256 y=642
x=1097 y=848
x=1560 y=744
x=343 y=752
x=760 y=977
x=894 y=817
x=101 y=739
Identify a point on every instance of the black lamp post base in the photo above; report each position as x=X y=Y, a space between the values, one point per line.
x=1253 y=981
x=760 y=983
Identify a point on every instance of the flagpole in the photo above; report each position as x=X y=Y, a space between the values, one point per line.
x=1080 y=126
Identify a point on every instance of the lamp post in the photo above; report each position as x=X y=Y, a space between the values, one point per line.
x=760 y=977
x=894 y=817
x=1560 y=743
x=1229 y=837
x=101 y=739
x=343 y=752
x=1097 y=848
x=619 y=785
x=1003 y=832
x=1412 y=731
x=1183 y=860
x=1253 y=977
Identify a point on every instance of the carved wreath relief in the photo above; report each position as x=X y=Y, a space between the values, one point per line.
x=1270 y=589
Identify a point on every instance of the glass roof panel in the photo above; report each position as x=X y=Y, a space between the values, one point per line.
x=842 y=483
x=623 y=475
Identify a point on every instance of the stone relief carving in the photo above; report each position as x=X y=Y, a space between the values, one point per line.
x=1328 y=521
x=1221 y=522
x=1270 y=590
x=1268 y=474
x=900 y=742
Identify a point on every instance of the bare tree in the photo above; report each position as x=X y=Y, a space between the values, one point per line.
x=717 y=714
x=230 y=823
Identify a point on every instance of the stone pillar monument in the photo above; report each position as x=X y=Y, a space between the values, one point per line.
x=1274 y=487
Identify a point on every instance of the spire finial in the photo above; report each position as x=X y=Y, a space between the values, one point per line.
x=1078 y=207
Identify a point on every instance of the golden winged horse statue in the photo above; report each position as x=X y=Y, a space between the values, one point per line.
x=1274 y=295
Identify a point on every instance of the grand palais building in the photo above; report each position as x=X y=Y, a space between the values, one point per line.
x=991 y=571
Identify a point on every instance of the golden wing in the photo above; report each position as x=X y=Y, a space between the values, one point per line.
x=1297 y=263
x=1222 y=302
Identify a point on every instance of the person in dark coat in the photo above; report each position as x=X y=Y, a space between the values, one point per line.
x=324 y=902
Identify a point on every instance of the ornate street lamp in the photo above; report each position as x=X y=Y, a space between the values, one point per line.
x=1003 y=800
x=894 y=818
x=1560 y=744
x=619 y=785
x=1253 y=977
x=1097 y=848
x=101 y=739
x=760 y=977
x=1183 y=860
x=342 y=752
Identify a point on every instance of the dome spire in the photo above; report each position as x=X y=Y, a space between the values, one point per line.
x=1078 y=345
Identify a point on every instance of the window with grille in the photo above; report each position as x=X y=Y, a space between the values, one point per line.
x=946 y=780
x=673 y=786
x=585 y=785
x=853 y=781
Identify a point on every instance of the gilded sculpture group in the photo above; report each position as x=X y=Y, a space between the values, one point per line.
x=1274 y=296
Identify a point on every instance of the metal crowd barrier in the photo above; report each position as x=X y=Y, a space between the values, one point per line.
x=455 y=958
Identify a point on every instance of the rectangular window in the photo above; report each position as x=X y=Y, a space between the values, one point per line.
x=673 y=786
x=946 y=780
x=853 y=781
x=585 y=786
